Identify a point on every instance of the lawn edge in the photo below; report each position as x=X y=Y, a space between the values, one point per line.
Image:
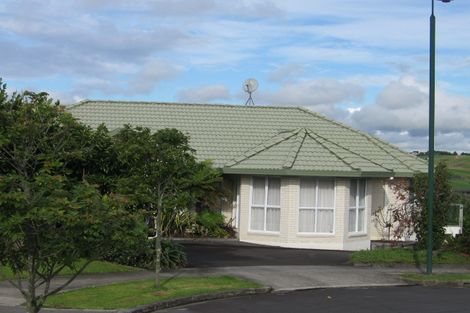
x=435 y=283
x=410 y=265
x=196 y=298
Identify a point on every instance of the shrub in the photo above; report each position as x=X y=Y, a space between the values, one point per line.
x=462 y=241
x=177 y=222
x=142 y=255
x=173 y=255
x=443 y=198
x=212 y=224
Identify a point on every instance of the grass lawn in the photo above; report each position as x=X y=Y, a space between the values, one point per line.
x=436 y=277
x=133 y=294
x=406 y=256
x=93 y=268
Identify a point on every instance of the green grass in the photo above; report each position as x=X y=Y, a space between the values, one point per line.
x=436 y=277
x=93 y=268
x=459 y=167
x=406 y=256
x=132 y=294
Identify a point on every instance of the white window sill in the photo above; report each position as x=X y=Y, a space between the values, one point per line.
x=361 y=234
x=266 y=233
x=315 y=234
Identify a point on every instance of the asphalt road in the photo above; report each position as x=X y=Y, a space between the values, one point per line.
x=375 y=300
x=223 y=255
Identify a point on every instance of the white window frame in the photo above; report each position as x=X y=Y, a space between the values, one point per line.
x=356 y=208
x=265 y=206
x=316 y=208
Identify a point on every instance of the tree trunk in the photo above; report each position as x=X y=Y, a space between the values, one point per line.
x=158 y=248
x=32 y=305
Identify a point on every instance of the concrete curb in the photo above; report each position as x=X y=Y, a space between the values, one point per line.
x=197 y=298
x=294 y=289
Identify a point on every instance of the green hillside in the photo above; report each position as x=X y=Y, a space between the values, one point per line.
x=459 y=166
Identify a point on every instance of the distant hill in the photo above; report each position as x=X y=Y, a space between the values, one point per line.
x=459 y=166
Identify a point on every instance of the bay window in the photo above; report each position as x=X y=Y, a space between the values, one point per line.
x=316 y=205
x=357 y=206
x=265 y=204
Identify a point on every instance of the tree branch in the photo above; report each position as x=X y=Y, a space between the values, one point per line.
x=45 y=295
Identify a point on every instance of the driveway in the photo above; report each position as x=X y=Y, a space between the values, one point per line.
x=203 y=254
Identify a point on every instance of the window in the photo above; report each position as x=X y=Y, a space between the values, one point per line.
x=266 y=204
x=317 y=205
x=357 y=206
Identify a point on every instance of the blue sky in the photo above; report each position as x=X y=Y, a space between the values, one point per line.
x=361 y=62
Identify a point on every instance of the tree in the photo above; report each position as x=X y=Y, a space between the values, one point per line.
x=50 y=216
x=162 y=172
x=395 y=220
x=442 y=201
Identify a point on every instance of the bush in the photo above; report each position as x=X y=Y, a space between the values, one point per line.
x=212 y=224
x=173 y=255
x=177 y=222
x=143 y=255
x=443 y=198
x=462 y=241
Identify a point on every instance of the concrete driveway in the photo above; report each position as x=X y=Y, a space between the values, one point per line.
x=229 y=253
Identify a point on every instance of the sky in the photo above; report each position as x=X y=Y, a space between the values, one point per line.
x=364 y=63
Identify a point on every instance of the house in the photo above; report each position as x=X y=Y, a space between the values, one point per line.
x=298 y=178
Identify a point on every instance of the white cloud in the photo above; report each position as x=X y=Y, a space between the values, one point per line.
x=204 y=94
x=151 y=74
x=403 y=105
x=314 y=93
x=287 y=72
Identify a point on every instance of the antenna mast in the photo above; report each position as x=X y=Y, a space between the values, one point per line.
x=250 y=85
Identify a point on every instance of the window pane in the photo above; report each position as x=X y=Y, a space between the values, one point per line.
x=325 y=221
x=273 y=219
x=306 y=221
x=274 y=191
x=361 y=217
x=258 y=191
x=352 y=193
x=257 y=219
x=326 y=193
x=362 y=193
x=307 y=193
x=352 y=220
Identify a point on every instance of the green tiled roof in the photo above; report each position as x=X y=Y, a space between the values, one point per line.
x=261 y=139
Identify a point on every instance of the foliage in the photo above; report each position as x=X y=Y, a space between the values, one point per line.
x=395 y=220
x=173 y=255
x=177 y=222
x=212 y=224
x=50 y=216
x=143 y=255
x=443 y=198
x=137 y=293
x=162 y=174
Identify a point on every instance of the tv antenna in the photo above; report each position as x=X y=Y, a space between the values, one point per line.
x=250 y=85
